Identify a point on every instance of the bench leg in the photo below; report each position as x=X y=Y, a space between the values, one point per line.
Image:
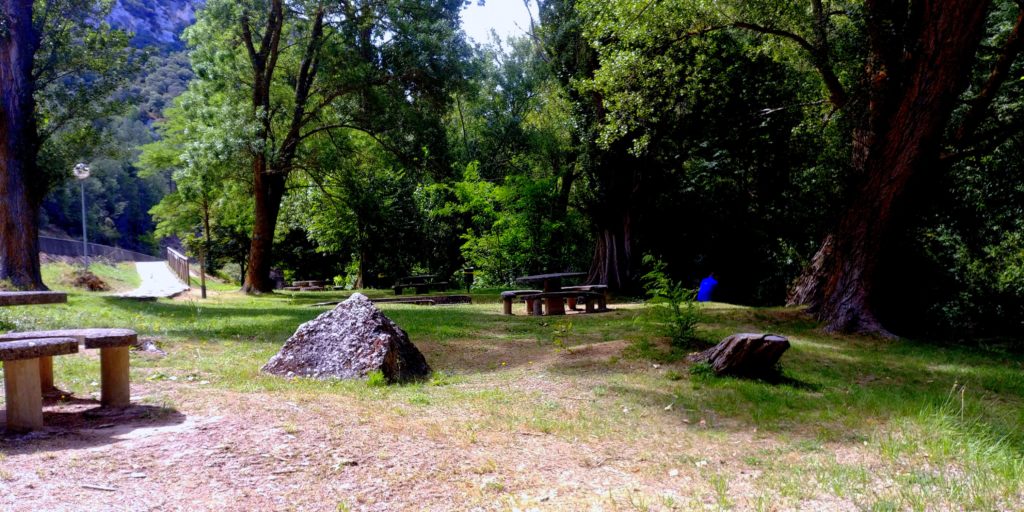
x=114 y=388
x=535 y=307
x=46 y=374
x=555 y=306
x=572 y=303
x=23 y=394
x=590 y=305
x=507 y=306
x=602 y=303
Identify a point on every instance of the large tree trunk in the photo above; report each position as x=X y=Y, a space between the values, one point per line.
x=21 y=187
x=919 y=65
x=613 y=264
x=270 y=175
x=268 y=189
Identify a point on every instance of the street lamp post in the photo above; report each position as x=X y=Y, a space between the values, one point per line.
x=81 y=171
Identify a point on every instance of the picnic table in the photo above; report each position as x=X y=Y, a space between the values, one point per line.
x=28 y=361
x=553 y=294
x=422 y=283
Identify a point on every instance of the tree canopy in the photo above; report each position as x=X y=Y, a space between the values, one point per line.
x=854 y=156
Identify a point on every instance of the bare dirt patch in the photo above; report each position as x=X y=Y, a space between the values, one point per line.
x=535 y=432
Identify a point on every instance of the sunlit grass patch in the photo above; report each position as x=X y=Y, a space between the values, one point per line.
x=856 y=423
x=119 y=276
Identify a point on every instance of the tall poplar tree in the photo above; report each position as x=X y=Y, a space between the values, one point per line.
x=385 y=67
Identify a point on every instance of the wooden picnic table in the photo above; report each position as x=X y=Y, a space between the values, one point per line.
x=552 y=283
x=28 y=362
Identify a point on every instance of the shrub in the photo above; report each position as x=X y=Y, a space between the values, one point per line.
x=376 y=379
x=676 y=308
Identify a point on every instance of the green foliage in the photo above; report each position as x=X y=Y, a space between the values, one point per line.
x=678 y=309
x=376 y=379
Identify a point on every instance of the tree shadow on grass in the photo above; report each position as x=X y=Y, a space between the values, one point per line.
x=839 y=395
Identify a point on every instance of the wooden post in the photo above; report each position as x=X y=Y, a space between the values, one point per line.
x=507 y=305
x=114 y=388
x=46 y=374
x=535 y=307
x=24 y=397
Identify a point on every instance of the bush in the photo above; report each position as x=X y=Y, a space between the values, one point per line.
x=376 y=379
x=676 y=307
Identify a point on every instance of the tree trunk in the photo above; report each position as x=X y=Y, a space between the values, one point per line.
x=912 y=97
x=268 y=192
x=206 y=248
x=270 y=175
x=613 y=264
x=21 y=186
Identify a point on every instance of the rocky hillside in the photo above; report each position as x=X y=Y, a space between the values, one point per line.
x=157 y=23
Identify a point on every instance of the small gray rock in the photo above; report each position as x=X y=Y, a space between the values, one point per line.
x=348 y=342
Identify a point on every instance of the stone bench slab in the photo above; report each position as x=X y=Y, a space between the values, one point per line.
x=32 y=298
x=36 y=348
x=91 y=338
x=511 y=294
x=560 y=294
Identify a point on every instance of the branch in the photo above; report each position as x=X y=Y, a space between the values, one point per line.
x=979 y=105
x=326 y=128
x=247 y=38
x=986 y=142
x=819 y=58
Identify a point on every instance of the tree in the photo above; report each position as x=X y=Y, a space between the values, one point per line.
x=201 y=156
x=919 y=62
x=614 y=176
x=383 y=67
x=362 y=203
x=58 y=69
x=512 y=137
x=20 y=186
x=907 y=82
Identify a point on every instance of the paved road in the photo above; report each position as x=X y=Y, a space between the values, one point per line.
x=157 y=282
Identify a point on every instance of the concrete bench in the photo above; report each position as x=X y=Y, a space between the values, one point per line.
x=420 y=288
x=602 y=303
x=22 y=383
x=590 y=298
x=511 y=295
x=114 y=346
x=32 y=298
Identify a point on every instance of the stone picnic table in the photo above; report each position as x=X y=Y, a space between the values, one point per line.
x=552 y=286
x=28 y=361
x=421 y=283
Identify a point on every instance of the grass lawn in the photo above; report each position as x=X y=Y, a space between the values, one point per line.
x=120 y=276
x=582 y=412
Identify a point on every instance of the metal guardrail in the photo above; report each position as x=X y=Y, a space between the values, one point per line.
x=73 y=248
x=179 y=265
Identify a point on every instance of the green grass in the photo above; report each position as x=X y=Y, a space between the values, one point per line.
x=878 y=424
x=120 y=276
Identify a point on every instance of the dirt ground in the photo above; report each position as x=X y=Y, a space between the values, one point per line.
x=211 y=449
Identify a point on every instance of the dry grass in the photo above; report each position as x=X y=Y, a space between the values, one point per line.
x=527 y=413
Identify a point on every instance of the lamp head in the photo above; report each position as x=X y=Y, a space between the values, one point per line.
x=81 y=171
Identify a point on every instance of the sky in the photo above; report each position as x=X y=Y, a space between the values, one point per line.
x=507 y=17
